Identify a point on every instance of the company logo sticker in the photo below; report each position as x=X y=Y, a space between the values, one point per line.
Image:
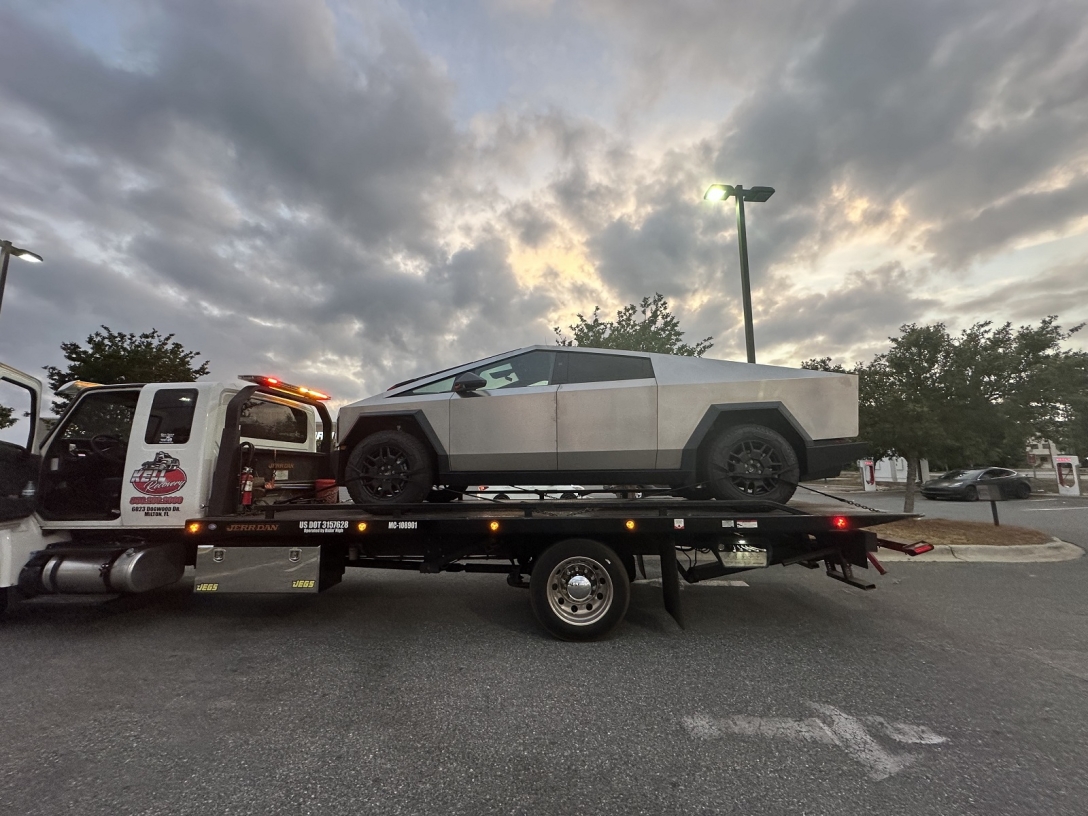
x=159 y=477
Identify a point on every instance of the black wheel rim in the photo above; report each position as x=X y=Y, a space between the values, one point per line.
x=754 y=467
x=383 y=471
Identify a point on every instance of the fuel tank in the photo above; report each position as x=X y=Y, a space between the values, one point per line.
x=136 y=569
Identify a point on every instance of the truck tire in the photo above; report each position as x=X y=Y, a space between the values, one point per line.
x=389 y=467
x=752 y=462
x=579 y=589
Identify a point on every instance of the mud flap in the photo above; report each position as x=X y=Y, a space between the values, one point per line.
x=670 y=583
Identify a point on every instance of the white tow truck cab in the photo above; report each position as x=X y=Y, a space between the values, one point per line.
x=102 y=496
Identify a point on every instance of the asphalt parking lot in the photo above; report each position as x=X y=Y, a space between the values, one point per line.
x=950 y=689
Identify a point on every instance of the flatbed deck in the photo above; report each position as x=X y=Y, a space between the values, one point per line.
x=714 y=538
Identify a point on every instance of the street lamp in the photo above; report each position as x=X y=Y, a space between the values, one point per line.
x=7 y=249
x=720 y=192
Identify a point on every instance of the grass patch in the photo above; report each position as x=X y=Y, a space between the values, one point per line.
x=947 y=532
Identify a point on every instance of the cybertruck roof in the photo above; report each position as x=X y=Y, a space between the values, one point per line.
x=669 y=369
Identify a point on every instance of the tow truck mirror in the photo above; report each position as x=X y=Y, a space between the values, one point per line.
x=467 y=381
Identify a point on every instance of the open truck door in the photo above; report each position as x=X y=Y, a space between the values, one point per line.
x=20 y=435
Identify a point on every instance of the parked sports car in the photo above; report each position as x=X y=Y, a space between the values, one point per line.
x=963 y=484
x=548 y=415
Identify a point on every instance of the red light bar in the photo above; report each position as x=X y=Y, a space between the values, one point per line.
x=287 y=388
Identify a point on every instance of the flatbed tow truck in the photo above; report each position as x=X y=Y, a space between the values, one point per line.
x=135 y=483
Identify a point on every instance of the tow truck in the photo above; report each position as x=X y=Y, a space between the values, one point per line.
x=138 y=486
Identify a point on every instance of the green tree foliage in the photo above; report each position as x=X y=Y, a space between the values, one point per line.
x=657 y=331
x=7 y=417
x=115 y=357
x=971 y=399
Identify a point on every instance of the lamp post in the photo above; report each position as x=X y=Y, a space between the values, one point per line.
x=720 y=192
x=7 y=249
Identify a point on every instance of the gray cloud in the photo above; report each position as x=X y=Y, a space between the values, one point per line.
x=850 y=321
x=289 y=191
x=1059 y=290
x=260 y=187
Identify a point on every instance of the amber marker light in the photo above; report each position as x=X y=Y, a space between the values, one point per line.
x=194 y=527
x=494 y=526
x=361 y=526
x=629 y=524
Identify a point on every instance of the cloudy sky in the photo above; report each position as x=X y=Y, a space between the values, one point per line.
x=350 y=193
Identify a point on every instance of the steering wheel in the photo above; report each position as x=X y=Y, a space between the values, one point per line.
x=109 y=447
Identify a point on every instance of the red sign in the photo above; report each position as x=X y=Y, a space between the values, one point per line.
x=159 y=477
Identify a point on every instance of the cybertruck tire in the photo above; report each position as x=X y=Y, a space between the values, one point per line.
x=389 y=467
x=752 y=462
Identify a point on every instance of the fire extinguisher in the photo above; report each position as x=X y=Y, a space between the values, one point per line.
x=246 y=477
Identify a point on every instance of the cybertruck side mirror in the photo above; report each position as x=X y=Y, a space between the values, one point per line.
x=467 y=382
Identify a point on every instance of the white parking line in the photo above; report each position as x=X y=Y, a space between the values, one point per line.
x=1051 y=509
x=837 y=729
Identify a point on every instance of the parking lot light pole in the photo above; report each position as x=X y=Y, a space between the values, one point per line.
x=720 y=192
x=7 y=249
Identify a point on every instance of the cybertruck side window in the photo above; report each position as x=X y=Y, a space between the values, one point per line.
x=587 y=368
x=520 y=371
x=440 y=387
x=171 y=420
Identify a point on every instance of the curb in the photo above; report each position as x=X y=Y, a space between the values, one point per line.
x=1055 y=550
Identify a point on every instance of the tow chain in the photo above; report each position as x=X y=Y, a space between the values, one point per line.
x=839 y=498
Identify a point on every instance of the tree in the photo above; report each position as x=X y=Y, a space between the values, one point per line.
x=972 y=399
x=115 y=357
x=658 y=331
x=7 y=417
x=900 y=408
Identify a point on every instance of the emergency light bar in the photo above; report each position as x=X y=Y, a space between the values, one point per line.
x=70 y=389
x=280 y=385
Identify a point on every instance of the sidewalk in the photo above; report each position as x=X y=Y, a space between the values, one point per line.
x=981 y=553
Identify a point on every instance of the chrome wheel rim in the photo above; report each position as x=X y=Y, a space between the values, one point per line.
x=754 y=467
x=579 y=591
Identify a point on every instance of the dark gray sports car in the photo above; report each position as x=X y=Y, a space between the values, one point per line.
x=963 y=484
x=547 y=415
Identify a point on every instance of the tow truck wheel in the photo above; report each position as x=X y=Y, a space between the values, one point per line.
x=752 y=462
x=389 y=467
x=579 y=589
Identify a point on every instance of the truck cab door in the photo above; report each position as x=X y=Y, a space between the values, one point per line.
x=20 y=404
x=83 y=459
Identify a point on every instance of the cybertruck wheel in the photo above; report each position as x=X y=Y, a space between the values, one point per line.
x=389 y=467
x=752 y=462
x=579 y=589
